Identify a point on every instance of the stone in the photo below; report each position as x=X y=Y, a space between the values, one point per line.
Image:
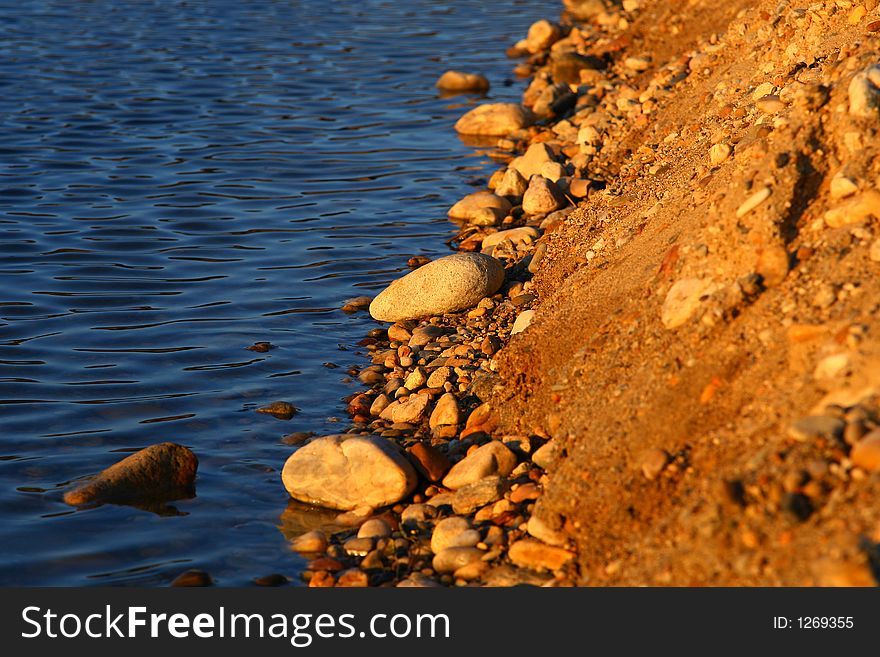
x=832 y=367
x=637 y=64
x=525 y=492
x=358 y=547
x=445 y=285
x=866 y=453
x=374 y=528
x=424 y=335
x=770 y=104
x=163 y=471
x=311 y=542
x=346 y=472
x=468 y=208
x=652 y=463
x=410 y=409
x=280 y=409
x=541 y=528
x=547 y=455
x=455 y=531
x=541 y=35
x=353 y=578
x=874 y=251
x=568 y=67
x=856 y=210
x=445 y=412
x=552 y=171
x=842 y=186
x=492 y=459
x=813 y=427
x=379 y=404
x=461 y=81
x=418 y=581
x=495 y=119
x=417 y=514
x=542 y=196
x=429 y=461
x=471 y=571
x=192 y=578
x=864 y=93
x=399 y=333
x=532 y=161
x=684 y=299
x=522 y=321
x=753 y=201
x=512 y=184
x=523 y=234
x=356 y=304
x=451 y=559
x=535 y=555
x=719 y=153
x=439 y=377
x=471 y=497
x=416 y=379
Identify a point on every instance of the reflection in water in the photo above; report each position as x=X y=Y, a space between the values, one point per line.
x=179 y=181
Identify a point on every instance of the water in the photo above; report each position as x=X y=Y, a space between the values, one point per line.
x=177 y=181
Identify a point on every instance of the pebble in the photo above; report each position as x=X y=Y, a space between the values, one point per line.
x=461 y=81
x=379 y=404
x=533 y=554
x=356 y=304
x=455 y=531
x=275 y=579
x=491 y=459
x=874 y=251
x=684 y=299
x=637 y=64
x=532 y=161
x=541 y=35
x=842 y=186
x=864 y=93
x=770 y=104
x=416 y=379
x=512 y=184
x=471 y=497
x=866 y=453
x=410 y=409
x=719 y=153
x=424 y=335
x=522 y=321
x=445 y=412
x=547 y=455
x=856 y=210
x=542 y=196
x=515 y=235
x=445 y=285
x=541 y=528
x=164 y=471
x=812 y=427
x=418 y=581
x=374 y=528
x=468 y=208
x=311 y=542
x=451 y=559
x=345 y=472
x=753 y=201
x=193 y=578
x=358 y=547
x=417 y=514
x=653 y=462
x=496 y=119
x=353 y=578
x=280 y=409
x=525 y=492
x=439 y=376
x=429 y=461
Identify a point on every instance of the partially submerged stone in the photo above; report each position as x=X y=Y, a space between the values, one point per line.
x=162 y=471
x=469 y=208
x=497 y=119
x=345 y=472
x=461 y=81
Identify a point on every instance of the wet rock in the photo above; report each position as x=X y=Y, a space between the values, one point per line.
x=280 y=409
x=455 y=531
x=492 y=459
x=430 y=462
x=522 y=321
x=497 y=119
x=356 y=304
x=261 y=347
x=471 y=497
x=445 y=412
x=460 y=81
x=542 y=196
x=193 y=578
x=469 y=207
x=684 y=299
x=275 y=579
x=864 y=93
x=345 y=472
x=866 y=453
x=165 y=471
x=451 y=559
x=452 y=283
x=410 y=409
x=311 y=542
x=533 y=554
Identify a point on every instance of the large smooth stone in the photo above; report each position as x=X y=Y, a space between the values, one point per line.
x=533 y=160
x=492 y=459
x=449 y=284
x=496 y=119
x=345 y=472
x=165 y=471
x=468 y=208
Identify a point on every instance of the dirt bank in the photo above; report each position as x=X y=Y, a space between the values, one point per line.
x=722 y=136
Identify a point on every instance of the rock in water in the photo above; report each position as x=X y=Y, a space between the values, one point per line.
x=468 y=208
x=497 y=119
x=456 y=282
x=166 y=470
x=345 y=472
x=460 y=81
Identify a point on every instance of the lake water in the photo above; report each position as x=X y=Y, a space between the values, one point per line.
x=179 y=180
